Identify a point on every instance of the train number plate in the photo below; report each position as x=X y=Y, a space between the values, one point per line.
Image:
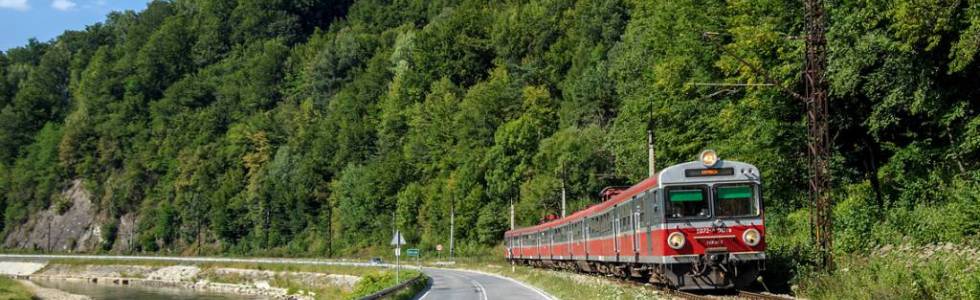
x=713 y=243
x=713 y=230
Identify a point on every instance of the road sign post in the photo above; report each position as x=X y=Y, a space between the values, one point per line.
x=414 y=252
x=397 y=241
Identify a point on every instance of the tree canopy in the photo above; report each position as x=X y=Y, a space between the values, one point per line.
x=316 y=127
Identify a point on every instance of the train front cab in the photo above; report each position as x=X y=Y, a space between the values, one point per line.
x=713 y=230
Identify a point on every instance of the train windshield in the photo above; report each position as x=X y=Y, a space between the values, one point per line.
x=736 y=200
x=687 y=202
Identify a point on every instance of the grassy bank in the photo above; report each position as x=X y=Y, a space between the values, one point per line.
x=377 y=281
x=11 y=290
x=939 y=271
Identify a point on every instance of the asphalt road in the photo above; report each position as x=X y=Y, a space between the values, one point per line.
x=466 y=285
x=450 y=284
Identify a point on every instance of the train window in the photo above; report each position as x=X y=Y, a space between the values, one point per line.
x=736 y=200
x=687 y=202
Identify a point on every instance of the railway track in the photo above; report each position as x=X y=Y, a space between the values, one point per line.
x=676 y=294
x=761 y=296
x=741 y=295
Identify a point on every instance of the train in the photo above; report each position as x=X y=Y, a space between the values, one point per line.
x=697 y=225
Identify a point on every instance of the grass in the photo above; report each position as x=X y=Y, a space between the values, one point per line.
x=943 y=271
x=375 y=282
x=412 y=290
x=12 y=290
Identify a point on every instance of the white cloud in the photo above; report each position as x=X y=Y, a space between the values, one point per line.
x=62 y=5
x=15 y=4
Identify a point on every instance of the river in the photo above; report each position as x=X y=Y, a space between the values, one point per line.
x=121 y=292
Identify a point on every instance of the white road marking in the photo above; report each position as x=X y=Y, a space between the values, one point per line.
x=479 y=286
x=527 y=286
x=426 y=294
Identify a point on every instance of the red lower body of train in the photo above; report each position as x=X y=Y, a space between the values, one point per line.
x=713 y=258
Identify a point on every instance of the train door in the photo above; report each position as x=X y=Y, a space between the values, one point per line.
x=650 y=210
x=520 y=246
x=540 y=236
x=551 y=239
x=616 y=230
x=585 y=232
x=572 y=234
x=635 y=225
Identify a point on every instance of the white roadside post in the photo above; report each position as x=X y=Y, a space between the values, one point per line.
x=397 y=241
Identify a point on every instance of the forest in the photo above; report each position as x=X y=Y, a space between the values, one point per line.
x=313 y=127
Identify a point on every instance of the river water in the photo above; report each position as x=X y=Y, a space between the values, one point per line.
x=120 y=292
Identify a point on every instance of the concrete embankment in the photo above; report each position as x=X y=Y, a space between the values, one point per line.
x=19 y=268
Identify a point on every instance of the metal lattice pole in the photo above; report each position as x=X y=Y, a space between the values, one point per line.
x=819 y=133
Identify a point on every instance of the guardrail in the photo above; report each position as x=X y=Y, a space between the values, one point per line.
x=391 y=290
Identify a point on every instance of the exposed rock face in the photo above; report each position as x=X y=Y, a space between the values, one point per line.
x=124 y=236
x=74 y=230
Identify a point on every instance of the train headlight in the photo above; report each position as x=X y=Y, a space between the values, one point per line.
x=751 y=237
x=709 y=158
x=676 y=240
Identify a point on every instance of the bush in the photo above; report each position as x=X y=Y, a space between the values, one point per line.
x=375 y=282
x=109 y=232
x=789 y=249
x=939 y=271
x=62 y=205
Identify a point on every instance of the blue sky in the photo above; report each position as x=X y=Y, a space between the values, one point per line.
x=46 y=19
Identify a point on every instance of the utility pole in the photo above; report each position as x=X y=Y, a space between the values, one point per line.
x=49 y=234
x=562 y=189
x=562 y=198
x=452 y=225
x=819 y=132
x=511 y=214
x=818 y=135
x=651 y=152
x=132 y=234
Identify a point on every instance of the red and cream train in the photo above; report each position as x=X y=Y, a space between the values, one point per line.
x=696 y=225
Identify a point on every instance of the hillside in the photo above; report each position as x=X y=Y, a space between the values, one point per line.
x=310 y=127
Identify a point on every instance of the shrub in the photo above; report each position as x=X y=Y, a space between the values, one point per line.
x=938 y=271
x=109 y=231
x=375 y=282
x=62 y=205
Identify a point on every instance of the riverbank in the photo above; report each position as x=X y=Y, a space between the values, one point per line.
x=264 y=280
x=39 y=292
x=209 y=278
x=10 y=289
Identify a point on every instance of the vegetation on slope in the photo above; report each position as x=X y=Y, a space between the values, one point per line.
x=12 y=290
x=311 y=127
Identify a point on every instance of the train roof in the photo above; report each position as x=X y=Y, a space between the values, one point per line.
x=617 y=199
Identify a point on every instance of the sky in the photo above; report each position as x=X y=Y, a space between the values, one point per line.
x=21 y=20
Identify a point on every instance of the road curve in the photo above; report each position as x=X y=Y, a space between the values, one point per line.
x=445 y=284
x=451 y=284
